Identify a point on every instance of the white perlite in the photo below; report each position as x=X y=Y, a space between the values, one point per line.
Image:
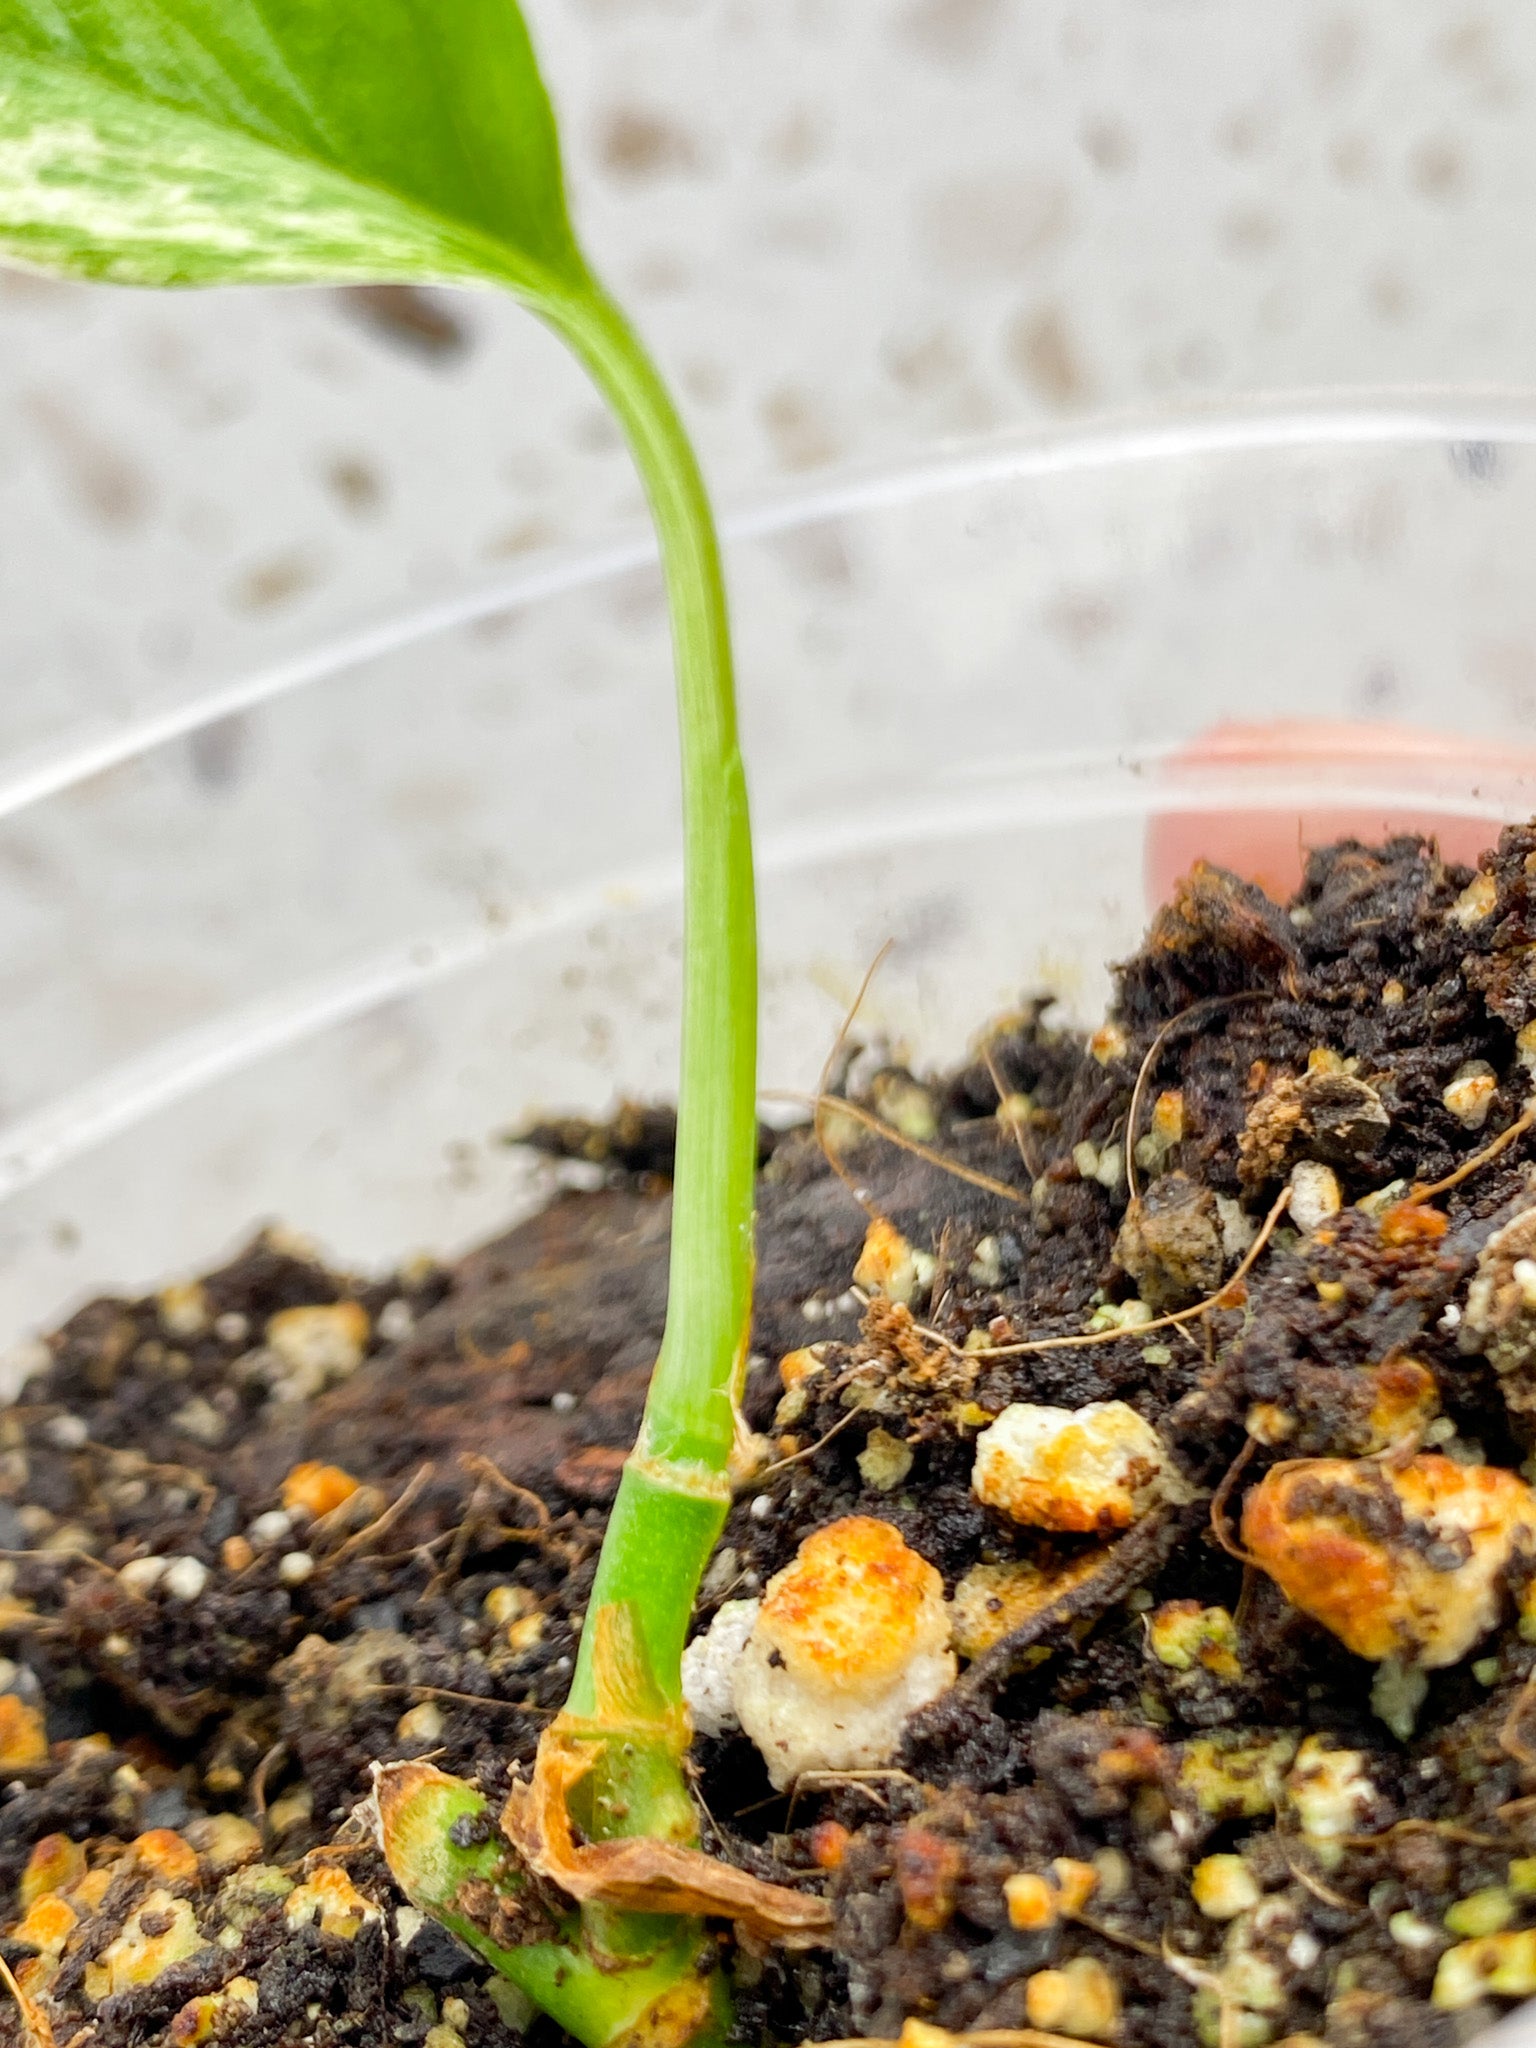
x=1092 y=1468
x=709 y=1668
x=1315 y=1194
x=185 y=1578
x=851 y=1638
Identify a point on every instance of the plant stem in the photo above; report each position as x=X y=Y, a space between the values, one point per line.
x=673 y=1496
x=619 y=1976
x=662 y=1997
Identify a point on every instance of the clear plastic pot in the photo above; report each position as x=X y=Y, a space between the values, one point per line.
x=435 y=885
x=990 y=702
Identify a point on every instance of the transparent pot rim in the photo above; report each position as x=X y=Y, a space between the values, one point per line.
x=1334 y=418
x=1056 y=789
x=1002 y=791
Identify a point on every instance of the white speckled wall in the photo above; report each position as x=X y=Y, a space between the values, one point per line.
x=848 y=226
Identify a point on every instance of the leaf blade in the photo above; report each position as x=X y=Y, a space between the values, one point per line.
x=222 y=141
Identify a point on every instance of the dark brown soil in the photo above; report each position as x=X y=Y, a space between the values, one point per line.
x=435 y=1610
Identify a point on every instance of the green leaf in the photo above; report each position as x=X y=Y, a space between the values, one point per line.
x=186 y=142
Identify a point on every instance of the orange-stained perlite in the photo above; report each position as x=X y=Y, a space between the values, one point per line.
x=172 y=1859
x=23 y=1740
x=846 y=1611
x=829 y=1844
x=1091 y=1469
x=54 y=1865
x=317 y=1488
x=1032 y=1901
x=1413 y=1222
x=46 y=1925
x=1407 y=1398
x=1407 y=1564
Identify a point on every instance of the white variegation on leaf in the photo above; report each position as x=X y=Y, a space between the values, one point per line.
x=185 y=142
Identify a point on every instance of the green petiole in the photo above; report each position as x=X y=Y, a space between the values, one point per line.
x=673 y=1496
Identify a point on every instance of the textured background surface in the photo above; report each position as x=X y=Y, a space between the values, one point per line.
x=849 y=227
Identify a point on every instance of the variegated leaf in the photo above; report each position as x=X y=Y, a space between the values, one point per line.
x=162 y=142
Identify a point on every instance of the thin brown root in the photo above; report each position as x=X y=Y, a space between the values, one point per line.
x=72 y=1556
x=329 y=1853
x=892 y=1136
x=572 y=1546
x=371 y=1531
x=488 y=1478
x=867 y=1782
x=458 y=1549
x=821 y=1098
x=1468 y=1167
x=761 y=1806
x=810 y=1450
x=201 y=1484
x=1308 y=1880
x=1130 y=1560
x=423 y=1553
x=1192 y=1014
x=1221 y=1529
x=887 y=1774
x=1108 y=1933
x=1139 y=1330
x=473 y=1462
x=259 y=1783
x=1449 y=1829
x=1323 y=1893
x=881 y=1129
x=1015 y=1124
x=467 y=1699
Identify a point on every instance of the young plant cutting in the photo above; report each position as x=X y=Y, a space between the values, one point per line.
x=1084 y=1592
x=218 y=144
